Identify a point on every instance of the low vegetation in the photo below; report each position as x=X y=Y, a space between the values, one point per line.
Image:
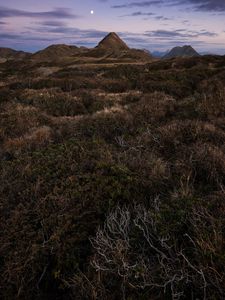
x=113 y=180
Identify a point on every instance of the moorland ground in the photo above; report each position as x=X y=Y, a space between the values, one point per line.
x=112 y=179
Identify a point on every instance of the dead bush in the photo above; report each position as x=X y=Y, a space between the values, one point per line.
x=131 y=251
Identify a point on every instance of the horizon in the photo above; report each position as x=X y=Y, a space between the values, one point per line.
x=154 y=52
x=155 y=25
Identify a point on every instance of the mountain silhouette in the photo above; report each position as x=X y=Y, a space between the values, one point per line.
x=185 y=51
x=8 y=53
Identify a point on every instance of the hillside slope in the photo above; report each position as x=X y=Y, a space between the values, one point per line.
x=57 y=52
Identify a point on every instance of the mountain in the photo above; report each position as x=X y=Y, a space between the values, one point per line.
x=56 y=51
x=8 y=53
x=113 y=47
x=112 y=42
x=109 y=49
x=185 y=51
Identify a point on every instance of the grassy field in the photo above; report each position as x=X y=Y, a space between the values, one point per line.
x=112 y=180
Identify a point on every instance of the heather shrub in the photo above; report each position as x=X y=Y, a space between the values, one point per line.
x=37 y=138
x=152 y=108
x=212 y=99
x=17 y=119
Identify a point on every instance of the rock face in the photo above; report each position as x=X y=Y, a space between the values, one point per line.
x=185 y=51
x=112 y=42
x=7 y=53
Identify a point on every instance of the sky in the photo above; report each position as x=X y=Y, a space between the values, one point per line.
x=155 y=25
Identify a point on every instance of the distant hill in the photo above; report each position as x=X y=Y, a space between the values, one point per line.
x=8 y=53
x=185 y=51
x=57 y=51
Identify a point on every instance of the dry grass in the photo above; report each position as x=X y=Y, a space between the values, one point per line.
x=37 y=138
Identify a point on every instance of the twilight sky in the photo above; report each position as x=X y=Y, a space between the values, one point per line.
x=154 y=25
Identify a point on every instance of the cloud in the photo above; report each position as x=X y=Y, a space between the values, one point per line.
x=6 y=36
x=61 y=13
x=135 y=40
x=162 y=18
x=138 y=4
x=23 y=37
x=66 y=31
x=206 y=5
x=196 y=5
x=137 y=14
x=52 y=23
x=179 y=33
x=146 y=14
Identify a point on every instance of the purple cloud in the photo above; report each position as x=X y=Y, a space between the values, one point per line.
x=61 y=13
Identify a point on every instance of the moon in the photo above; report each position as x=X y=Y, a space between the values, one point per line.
x=92 y=12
